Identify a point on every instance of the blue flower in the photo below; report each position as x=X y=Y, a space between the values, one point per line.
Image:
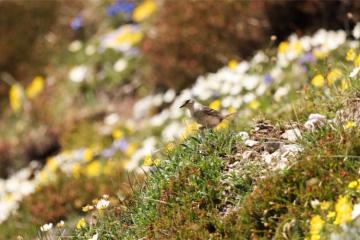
x=120 y=6
x=109 y=152
x=267 y=78
x=120 y=144
x=306 y=58
x=76 y=23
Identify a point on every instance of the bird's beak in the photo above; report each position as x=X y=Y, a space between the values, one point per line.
x=182 y=105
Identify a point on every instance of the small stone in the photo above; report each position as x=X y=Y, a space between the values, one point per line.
x=292 y=135
x=251 y=143
x=249 y=154
x=271 y=147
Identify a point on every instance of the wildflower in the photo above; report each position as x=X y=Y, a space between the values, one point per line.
x=357 y=61
x=343 y=210
x=16 y=97
x=283 y=47
x=356 y=31
x=87 y=208
x=267 y=79
x=331 y=214
x=224 y=124
x=120 y=65
x=46 y=227
x=88 y=154
x=122 y=39
x=93 y=169
x=102 y=204
x=75 y=46
x=76 y=23
x=215 y=105
x=131 y=149
x=157 y=162
x=232 y=64
x=144 y=10
x=35 y=87
x=324 y=205
x=76 y=170
x=52 y=164
x=333 y=75
x=191 y=128
x=352 y=184
x=356 y=211
x=117 y=134
x=350 y=125
x=231 y=110
x=94 y=237
x=319 y=54
x=60 y=224
x=350 y=55
x=318 y=81
x=344 y=85
x=316 y=225
x=120 y=7
x=254 y=104
x=314 y=203
x=354 y=72
x=169 y=147
x=81 y=223
x=78 y=74
x=297 y=47
x=148 y=161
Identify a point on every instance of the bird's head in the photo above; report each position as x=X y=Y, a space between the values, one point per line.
x=188 y=103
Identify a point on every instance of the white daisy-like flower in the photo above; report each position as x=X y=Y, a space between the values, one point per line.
x=75 y=46
x=102 y=204
x=78 y=73
x=356 y=211
x=356 y=31
x=120 y=65
x=354 y=72
x=46 y=227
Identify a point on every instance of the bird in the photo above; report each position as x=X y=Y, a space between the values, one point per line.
x=207 y=117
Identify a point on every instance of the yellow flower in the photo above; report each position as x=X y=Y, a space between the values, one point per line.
x=52 y=164
x=324 y=205
x=148 y=161
x=349 y=125
x=93 y=169
x=357 y=61
x=352 y=184
x=319 y=54
x=87 y=208
x=344 y=85
x=144 y=10
x=157 y=162
x=297 y=47
x=254 y=104
x=76 y=170
x=169 y=147
x=232 y=64
x=191 y=128
x=333 y=75
x=316 y=225
x=222 y=125
x=88 y=154
x=318 y=81
x=117 y=134
x=16 y=97
x=350 y=55
x=215 y=105
x=109 y=167
x=343 y=208
x=283 y=47
x=35 y=87
x=81 y=223
x=231 y=110
x=331 y=214
x=131 y=149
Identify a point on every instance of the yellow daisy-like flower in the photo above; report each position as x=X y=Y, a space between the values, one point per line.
x=191 y=128
x=316 y=225
x=231 y=110
x=93 y=169
x=224 y=124
x=232 y=64
x=320 y=54
x=331 y=214
x=144 y=10
x=324 y=205
x=343 y=210
x=81 y=223
x=318 y=81
x=283 y=47
x=88 y=154
x=333 y=75
x=215 y=105
x=16 y=97
x=297 y=47
x=117 y=134
x=35 y=87
x=52 y=164
x=350 y=55
x=350 y=125
x=169 y=147
x=357 y=61
x=353 y=184
x=131 y=149
x=254 y=104
x=76 y=170
x=148 y=161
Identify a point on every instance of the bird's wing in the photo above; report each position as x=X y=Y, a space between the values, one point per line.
x=212 y=112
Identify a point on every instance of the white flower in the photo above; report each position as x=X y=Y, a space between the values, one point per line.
x=356 y=31
x=356 y=210
x=95 y=237
x=169 y=96
x=75 y=46
x=314 y=203
x=112 y=119
x=354 y=72
x=102 y=204
x=90 y=50
x=78 y=73
x=46 y=227
x=120 y=65
x=60 y=224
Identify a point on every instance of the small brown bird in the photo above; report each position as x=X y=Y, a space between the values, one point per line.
x=207 y=117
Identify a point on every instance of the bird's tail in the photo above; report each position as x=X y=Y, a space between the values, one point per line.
x=230 y=115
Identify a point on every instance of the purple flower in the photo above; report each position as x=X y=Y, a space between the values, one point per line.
x=267 y=78
x=76 y=23
x=120 y=6
x=109 y=152
x=306 y=58
x=121 y=144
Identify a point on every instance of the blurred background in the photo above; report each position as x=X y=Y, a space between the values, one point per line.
x=78 y=79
